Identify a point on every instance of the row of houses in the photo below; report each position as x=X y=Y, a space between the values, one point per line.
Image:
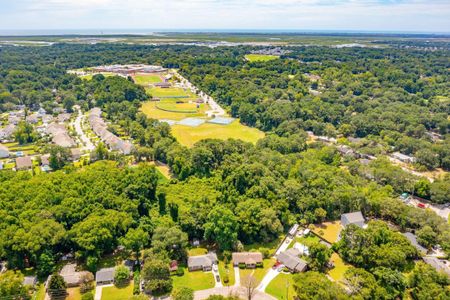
x=60 y=135
x=100 y=128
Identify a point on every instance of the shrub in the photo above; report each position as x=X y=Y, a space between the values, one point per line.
x=180 y=271
x=226 y=279
x=183 y=293
x=265 y=252
x=87 y=282
x=87 y=296
x=57 y=287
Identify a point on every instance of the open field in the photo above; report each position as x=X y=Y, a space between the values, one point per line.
x=170 y=92
x=329 y=231
x=89 y=76
x=260 y=57
x=115 y=293
x=197 y=280
x=188 y=136
x=337 y=273
x=150 y=109
x=144 y=79
x=282 y=287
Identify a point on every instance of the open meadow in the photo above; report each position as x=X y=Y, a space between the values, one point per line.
x=146 y=79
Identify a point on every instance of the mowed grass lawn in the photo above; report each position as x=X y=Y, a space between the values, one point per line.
x=329 y=231
x=337 y=273
x=260 y=57
x=258 y=273
x=170 y=92
x=188 y=136
x=282 y=287
x=149 y=108
x=224 y=270
x=197 y=280
x=73 y=294
x=146 y=79
x=115 y=293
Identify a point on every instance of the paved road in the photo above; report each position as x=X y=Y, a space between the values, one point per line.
x=86 y=141
x=232 y=290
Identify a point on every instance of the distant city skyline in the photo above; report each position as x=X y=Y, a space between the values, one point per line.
x=293 y=15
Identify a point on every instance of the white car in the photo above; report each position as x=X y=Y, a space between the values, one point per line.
x=215 y=267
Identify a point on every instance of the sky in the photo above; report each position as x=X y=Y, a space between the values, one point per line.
x=336 y=15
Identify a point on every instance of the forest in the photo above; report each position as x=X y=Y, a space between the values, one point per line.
x=232 y=193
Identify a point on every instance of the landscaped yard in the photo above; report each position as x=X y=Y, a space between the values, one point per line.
x=188 y=136
x=197 y=280
x=224 y=271
x=197 y=251
x=272 y=246
x=282 y=287
x=258 y=273
x=304 y=240
x=115 y=293
x=260 y=57
x=329 y=231
x=337 y=273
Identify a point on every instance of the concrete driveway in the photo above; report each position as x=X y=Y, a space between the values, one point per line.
x=237 y=276
x=270 y=275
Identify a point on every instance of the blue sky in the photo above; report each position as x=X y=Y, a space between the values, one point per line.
x=361 y=15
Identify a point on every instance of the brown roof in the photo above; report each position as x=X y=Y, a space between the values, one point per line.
x=248 y=258
x=23 y=163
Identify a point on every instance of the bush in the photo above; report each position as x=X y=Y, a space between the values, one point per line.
x=265 y=252
x=87 y=296
x=137 y=282
x=57 y=287
x=121 y=275
x=226 y=279
x=242 y=266
x=87 y=282
x=183 y=293
x=180 y=271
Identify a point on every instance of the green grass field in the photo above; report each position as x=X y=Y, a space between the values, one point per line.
x=146 y=79
x=188 y=136
x=150 y=109
x=190 y=108
x=337 y=273
x=170 y=92
x=197 y=280
x=115 y=293
x=260 y=57
x=329 y=231
x=281 y=287
x=89 y=76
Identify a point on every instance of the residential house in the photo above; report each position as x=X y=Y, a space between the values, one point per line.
x=75 y=154
x=355 y=218
x=413 y=240
x=4 y=151
x=248 y=259
x=71 y=276
x=104 y=276
x=291 y=260
x=14 y=120
x=23 y=163
x=346 y=151
x=202 y=262
x=7 y=132
x=64 y=140
x=63 y=117
x=32 y=119
x=47 y=119
x=441 y=265
x=41 y=112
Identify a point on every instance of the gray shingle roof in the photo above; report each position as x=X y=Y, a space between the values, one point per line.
x=106 y=274
x=290 y=259
x=352 y=218
x=202 y=260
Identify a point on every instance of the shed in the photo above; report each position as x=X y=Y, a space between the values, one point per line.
x=355 y=218
x=105 y=276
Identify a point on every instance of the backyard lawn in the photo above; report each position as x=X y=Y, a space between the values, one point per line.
x=337 y=273
x=197 y=280
x=272 y=246
x=188 y=136
x=277 y=287
x=197 y=251
x=258 y=273
x=73 y=294
x=329 y=231
x=115 y=293
x=260 y=57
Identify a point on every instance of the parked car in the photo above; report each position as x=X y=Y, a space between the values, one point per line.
x=215 y=267
x=421 y=205
x=276 y=265
x=217 y=278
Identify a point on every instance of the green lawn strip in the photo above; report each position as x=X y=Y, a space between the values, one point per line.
x=115 y=293
x=277 y=287
x=197 y=251
x=226 y=270
x=197 y=280
x=260 y=57
x=272 y=246
x=258 y=273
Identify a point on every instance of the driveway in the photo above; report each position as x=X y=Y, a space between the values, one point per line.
x=237 y=277
x=98 y=291
x=284 y=245
x=270 y=275
x=215 y=274
x=77 y=125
